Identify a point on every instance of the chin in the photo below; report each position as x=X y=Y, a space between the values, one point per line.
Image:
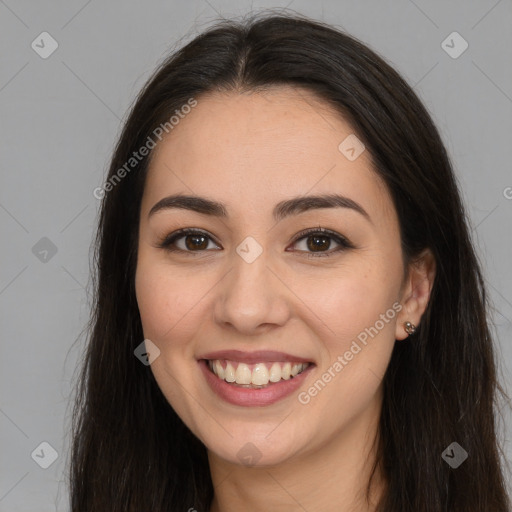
x=253 y=450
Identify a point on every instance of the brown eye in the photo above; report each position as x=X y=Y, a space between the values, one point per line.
x=186 y=240
x=317 y=242
x=194 y=242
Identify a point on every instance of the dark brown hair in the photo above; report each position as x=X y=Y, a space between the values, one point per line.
x=130 y=450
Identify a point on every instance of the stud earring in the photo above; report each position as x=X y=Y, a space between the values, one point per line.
x=409 y=328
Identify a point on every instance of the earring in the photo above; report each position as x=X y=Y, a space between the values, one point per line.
x=409 y=328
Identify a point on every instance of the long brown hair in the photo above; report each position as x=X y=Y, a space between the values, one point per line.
x=130 y=450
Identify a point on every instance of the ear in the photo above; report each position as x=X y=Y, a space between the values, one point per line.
x=415 y=292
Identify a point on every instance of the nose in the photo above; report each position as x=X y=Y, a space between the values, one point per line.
x=252 y=297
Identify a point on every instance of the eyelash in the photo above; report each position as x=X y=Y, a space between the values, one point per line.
x=344 y=243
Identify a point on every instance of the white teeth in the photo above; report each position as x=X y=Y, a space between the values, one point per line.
x=286 y=371
x=229 y=373
x=243 y=374
x=260 y=375
x=219 y=370
x=275 y=373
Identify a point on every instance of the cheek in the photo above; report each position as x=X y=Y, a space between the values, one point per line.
x=357 y=320
x=166 y=301
x=352 y=300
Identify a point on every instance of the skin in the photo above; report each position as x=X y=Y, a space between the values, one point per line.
x=251 y=151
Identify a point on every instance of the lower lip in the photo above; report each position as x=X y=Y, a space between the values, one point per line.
x=249 y=397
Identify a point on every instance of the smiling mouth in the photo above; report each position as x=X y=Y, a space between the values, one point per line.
x=255 y=376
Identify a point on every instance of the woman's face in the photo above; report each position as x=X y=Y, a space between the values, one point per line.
x=251 y=282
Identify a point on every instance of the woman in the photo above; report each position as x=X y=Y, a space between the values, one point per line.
x=289 y=312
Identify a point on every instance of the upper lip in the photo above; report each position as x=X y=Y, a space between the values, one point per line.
x=258 y=356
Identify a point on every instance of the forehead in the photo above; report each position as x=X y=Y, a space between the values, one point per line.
x=250 y=150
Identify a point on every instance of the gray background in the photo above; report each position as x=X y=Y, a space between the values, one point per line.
x=61 y=116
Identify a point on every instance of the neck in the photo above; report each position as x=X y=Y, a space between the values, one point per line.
x=331 y=478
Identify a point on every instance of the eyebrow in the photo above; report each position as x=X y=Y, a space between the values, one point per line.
x=282 y=209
